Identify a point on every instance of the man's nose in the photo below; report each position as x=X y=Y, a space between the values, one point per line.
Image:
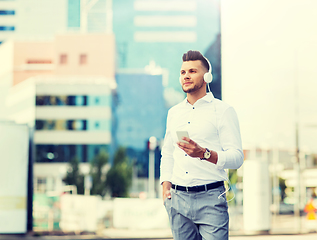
x=186 y=76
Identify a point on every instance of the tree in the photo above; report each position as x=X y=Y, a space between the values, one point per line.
x=119 y=177
x=74 y=177
x=98 y=175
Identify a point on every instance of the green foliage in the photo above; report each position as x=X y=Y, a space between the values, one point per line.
x=233 y=178
x=74 y=177
x=119 y=177
x=97 y=174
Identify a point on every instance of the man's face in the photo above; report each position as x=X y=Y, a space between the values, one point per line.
x=192 y=76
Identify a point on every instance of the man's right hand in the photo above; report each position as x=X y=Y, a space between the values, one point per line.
x=166 y=190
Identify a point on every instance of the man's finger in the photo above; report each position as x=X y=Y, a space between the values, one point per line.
x=168 y=195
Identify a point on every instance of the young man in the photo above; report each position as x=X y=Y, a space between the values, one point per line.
x=193 y=172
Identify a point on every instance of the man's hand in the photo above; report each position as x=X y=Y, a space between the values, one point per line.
x=192 y=148
x=166 y=190
x=196 y=151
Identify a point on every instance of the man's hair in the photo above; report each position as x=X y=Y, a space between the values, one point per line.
x=195 y=55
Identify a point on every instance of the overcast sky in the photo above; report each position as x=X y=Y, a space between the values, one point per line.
x=269 y=56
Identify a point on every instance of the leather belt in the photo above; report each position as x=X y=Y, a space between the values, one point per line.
x=199 y=188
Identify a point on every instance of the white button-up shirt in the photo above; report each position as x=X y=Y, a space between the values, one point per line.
x=212 y=124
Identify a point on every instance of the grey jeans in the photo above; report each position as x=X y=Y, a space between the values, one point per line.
x=198 y=215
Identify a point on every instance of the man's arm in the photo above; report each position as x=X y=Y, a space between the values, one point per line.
x=167 y=163
x=231 y=155
x=229 y=133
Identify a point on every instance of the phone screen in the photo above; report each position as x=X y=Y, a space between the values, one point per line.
x=181 y=134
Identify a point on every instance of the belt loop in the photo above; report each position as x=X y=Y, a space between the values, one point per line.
x=175 y=188
x=206 y=187
x=186 y=188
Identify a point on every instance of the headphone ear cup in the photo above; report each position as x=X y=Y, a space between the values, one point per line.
x=208 y=77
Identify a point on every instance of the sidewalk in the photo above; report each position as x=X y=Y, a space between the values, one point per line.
x=156 y=235
x=236 y=235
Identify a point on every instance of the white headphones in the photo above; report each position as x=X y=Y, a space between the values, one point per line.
x=207 y=75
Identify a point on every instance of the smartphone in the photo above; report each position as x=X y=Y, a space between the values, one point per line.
x=181 y=134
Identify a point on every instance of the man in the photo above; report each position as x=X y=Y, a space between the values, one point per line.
x=193 y=172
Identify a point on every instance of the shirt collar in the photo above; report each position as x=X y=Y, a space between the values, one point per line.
x=209 y=97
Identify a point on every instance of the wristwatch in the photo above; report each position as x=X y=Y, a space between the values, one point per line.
x=206 y=155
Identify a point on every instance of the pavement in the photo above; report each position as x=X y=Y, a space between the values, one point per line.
x=160 y=234
x=283 y=227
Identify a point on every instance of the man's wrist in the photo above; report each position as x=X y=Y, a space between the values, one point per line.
x=206 y=154
x=213 y=158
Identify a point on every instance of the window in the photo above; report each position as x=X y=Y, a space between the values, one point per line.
x=38 y=61
x=7 y=28
x=7 y=12
x=63 y=59
x=82 y=59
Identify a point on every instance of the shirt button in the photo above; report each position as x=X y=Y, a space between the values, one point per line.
x=185 y=155
x=193 y=107
x=186 y=172
x=188 y=122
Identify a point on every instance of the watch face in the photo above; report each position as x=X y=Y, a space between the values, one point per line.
x=206 y=154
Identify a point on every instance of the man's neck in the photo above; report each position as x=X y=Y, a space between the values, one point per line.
x=195 y=96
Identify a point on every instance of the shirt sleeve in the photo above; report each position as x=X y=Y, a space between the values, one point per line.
x=231 y=155
x=167 y=160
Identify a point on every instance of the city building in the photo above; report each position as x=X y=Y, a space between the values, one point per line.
x=32 y=19
x=162 y=30
x=63 y=89
x=7 y=19
x=71 y=117
x=140 y=112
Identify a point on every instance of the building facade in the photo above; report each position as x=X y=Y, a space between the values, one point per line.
x=64 y=92
x=162 y=30
x=140 y=112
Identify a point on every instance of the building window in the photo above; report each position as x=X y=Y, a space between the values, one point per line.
x=63 y=59
x=7 y=12
x=38 y=61
x=82 y=59
x=64 y=153
x=7 y=28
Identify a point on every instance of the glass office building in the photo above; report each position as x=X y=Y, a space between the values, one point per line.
x=162 y=30
x=140 y=112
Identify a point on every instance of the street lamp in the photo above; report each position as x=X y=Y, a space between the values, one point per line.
x=151 y=180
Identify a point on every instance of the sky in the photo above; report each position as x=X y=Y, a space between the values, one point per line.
x=269 y=73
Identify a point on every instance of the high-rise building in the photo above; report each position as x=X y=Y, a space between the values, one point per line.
x=43 y=19
x=140 y=112
x=162 y=30
x=7 y=19
x=32 y=19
